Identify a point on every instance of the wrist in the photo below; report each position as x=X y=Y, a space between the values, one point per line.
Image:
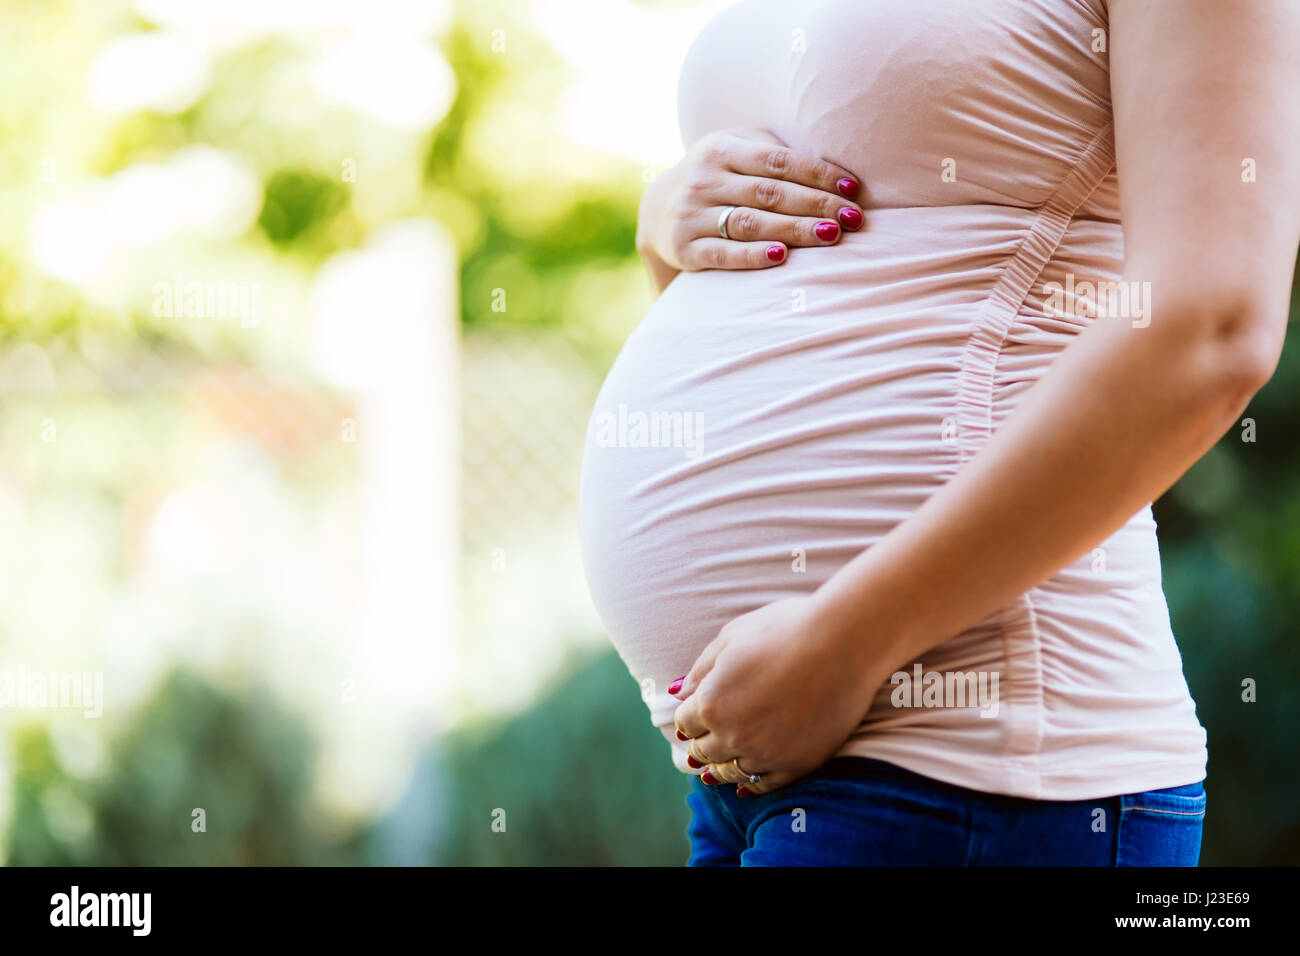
x=646 y=220
x=859 y=622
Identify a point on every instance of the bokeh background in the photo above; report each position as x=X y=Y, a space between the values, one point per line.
x=303 y=309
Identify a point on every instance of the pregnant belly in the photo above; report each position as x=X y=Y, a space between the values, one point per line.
x=759 y=429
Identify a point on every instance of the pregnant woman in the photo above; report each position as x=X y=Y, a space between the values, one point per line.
x=866 y=496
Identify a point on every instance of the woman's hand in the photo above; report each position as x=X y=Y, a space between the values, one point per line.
x=781 y=689
x=783 y=197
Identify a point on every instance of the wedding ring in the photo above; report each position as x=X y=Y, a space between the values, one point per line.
x=751 y=777
x=722 y=220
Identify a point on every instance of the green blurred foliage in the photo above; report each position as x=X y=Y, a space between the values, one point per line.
x=296 y=200
x=1230 y=543
x=530 y=232
x=240 y=759
x=580 y=779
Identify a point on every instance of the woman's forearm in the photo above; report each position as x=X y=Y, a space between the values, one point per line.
x=1118 y=418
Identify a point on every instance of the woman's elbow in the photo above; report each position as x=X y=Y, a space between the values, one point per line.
x=1237 y=334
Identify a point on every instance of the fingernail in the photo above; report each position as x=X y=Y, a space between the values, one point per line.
x=847 y=187
x=742 y=792
x=682 y=736
x=709 y=779
x=676 y=685
x=827 y=230
x=693 y=763
x=850 y=218
x=776 y=254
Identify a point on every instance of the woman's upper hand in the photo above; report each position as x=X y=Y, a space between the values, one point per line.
x=780 y=689
x=783 y=197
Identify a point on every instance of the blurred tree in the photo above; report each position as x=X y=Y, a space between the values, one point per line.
x=580 y=779
x=241 y=760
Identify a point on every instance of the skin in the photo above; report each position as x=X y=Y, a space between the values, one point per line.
x=782 y=195
x=1122 y=413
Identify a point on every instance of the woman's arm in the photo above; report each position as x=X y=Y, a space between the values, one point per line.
x=1199 y=88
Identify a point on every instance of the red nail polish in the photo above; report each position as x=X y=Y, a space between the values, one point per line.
x=709 y=779
x=676 y=685
x=847 y=187
x=682 y=736
x=742 y=792
x=693 y=763
x=850 y=218
x=827 y=231
x=776 y=253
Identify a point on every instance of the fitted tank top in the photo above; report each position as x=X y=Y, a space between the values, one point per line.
x=761 y=428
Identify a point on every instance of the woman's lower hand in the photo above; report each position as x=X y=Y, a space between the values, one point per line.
x=783 y=198
x=777 y=691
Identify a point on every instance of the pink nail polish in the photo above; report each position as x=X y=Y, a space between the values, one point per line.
x=776 y=254
x=850 y=218
x=847 y=187
x=827 y=231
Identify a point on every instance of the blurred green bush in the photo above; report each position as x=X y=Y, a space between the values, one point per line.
x=580 y=779
x=239 y=760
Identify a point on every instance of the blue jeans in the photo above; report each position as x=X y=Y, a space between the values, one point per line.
x=861 y=812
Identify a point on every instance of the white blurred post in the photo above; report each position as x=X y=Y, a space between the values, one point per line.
x=387 y=327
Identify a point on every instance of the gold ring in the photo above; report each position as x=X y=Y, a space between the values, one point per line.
x=751 y=777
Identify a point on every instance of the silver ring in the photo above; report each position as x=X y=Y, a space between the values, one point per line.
x=722 y=220
x=751 y=777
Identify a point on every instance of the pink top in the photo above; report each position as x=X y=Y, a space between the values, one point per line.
x=761 y=428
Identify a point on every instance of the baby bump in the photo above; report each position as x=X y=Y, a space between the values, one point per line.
x=760 y=429
x=746 y=445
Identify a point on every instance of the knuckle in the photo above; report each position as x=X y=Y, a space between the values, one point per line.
x=776 y=161
x=743 y=222
x=767 y=193
x=705 y=707
x=682 y=208
x=698 y=184
x=714 y=148
x=716 y=257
